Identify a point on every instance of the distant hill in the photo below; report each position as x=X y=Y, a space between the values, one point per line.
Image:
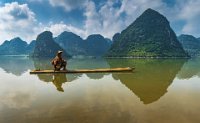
x=116 y=37
x=109 y=42
x=150 y=35
x=190 y=44
x=94 y=45
x=71 y=43
x=15 y=46
x=45 y=46
x=30 y=48
x=97 y=45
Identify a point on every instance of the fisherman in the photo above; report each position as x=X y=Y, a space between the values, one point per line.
x=58 y=62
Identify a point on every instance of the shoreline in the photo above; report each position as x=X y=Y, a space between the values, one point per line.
x=148 y=57
x=15 y=55
x=128 y=57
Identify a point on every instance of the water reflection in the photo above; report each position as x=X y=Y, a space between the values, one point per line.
x=190 y=69
x=92 y=98
x=152 y=76
x=92 y=63
x=83 y=101
x=16 y=65
x=59 y=79
x=149 y=81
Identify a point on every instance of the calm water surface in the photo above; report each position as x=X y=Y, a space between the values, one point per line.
x=158 y=91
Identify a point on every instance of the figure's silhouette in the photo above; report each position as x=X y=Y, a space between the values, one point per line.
x=58 y=80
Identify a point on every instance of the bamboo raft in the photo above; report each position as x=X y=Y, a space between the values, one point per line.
x=105 y=70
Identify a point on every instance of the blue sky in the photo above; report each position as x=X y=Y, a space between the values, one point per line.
x=27 y=18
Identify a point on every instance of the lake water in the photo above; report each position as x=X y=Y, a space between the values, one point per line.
x=158 y=91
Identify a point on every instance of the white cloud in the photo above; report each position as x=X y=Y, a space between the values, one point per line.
x=106 y=21
x=68 y=5
x=16 y=20
x=190 y=13
x=58 y=28
x=133 y=8
x=93 y=22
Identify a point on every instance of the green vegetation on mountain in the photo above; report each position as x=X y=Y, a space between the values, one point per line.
x=150 y=35
x=46 y=47
x=190 y=44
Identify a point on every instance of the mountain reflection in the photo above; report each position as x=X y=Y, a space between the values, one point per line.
x=16 y=65
x=151 y=77
x=90 y=63
x=190 y=69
